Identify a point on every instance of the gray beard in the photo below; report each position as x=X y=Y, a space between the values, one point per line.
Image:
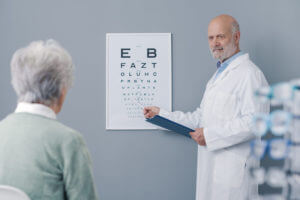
x=229 y=50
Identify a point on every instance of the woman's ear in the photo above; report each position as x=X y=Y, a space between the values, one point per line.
x=60 y=101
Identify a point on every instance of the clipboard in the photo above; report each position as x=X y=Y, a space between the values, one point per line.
x=170 y=125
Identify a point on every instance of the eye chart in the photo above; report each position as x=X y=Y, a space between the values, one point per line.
x=138 y=74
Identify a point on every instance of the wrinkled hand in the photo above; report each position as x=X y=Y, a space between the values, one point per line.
x=198 y=136
x=151 y=111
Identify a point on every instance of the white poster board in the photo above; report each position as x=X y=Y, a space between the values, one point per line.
x=138 y=74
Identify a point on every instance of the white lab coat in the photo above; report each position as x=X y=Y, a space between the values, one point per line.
x=225 y=112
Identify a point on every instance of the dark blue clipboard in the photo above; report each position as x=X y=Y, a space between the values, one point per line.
x=170 y=125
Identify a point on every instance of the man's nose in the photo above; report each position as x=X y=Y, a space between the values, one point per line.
x=216 y=43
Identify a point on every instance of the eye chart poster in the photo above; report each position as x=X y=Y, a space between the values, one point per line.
x=138 y=74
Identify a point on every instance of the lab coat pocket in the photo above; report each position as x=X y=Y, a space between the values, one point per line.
x=229 y=169
x=224 y=106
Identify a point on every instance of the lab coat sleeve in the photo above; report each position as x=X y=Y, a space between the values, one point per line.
x=238 y=130
x=189 y=119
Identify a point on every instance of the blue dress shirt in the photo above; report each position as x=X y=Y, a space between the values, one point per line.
x=222 y=66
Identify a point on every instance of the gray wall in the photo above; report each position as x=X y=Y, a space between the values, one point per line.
x=145 y=165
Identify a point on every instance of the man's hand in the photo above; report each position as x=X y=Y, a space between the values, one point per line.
x=151 y=111
x=198 y=136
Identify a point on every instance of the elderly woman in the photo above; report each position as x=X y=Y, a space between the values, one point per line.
x=38 y=154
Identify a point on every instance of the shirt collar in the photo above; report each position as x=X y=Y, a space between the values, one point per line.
x=35 y=108
x=229 y=60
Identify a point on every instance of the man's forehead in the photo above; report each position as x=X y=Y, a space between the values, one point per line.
x=219 y=27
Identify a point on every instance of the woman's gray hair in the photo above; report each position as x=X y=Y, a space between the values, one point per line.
x=40 y=71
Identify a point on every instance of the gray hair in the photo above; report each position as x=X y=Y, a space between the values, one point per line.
x=235 y=27
x=40 y=71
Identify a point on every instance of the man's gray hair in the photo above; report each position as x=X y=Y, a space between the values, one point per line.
x=235 y=27
x=40 y=71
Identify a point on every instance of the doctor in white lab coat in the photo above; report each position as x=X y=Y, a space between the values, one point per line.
x=222 y=122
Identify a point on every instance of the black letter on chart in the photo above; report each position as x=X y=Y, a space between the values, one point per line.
x=124 y=53
x=151 y=53
x=143 y=64
x=132 y=65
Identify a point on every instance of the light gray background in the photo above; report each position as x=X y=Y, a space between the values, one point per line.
x=145 y=165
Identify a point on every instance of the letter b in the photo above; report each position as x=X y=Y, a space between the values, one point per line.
x=151 y=53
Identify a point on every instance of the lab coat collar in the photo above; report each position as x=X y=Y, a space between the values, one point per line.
x=35 y=108
x=233 y=65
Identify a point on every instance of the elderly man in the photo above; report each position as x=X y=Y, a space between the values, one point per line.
x=38 y=154
x=222 y=122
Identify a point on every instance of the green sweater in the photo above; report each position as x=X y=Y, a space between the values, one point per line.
x=44 y=158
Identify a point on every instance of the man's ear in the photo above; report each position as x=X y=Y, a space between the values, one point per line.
x=237 y=37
